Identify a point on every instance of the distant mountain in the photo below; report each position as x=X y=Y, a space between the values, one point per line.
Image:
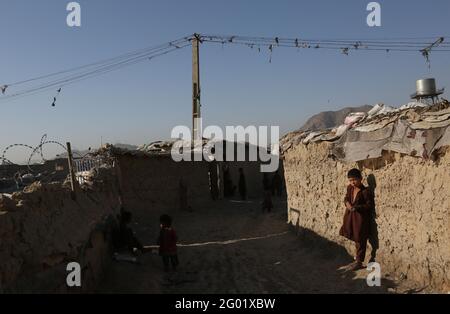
x=329 y=119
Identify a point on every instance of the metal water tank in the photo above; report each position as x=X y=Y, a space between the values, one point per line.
x=426 y=87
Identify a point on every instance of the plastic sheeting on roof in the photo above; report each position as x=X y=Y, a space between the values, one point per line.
x=157 y=147
x=419 y=138
x=415 y=130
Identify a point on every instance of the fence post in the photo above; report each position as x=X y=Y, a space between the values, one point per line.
x=119 y=182
x=71 y=170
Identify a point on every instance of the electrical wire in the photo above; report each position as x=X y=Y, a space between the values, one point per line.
x=105 y=61
x=99 y=70
x=424 y=45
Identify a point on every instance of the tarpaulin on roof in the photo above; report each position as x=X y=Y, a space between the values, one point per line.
x=355 y=145
x=414 y=129
x=399 y=137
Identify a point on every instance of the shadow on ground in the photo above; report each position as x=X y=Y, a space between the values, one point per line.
x=239 y=249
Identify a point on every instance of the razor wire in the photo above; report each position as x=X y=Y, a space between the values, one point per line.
x=34 y=150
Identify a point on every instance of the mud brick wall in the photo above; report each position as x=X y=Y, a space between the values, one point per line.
x=253 y=177
x=43 y=229
x=412 y=203
x=152 y=183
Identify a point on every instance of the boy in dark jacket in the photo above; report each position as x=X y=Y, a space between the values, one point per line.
x=356 y=225
x=123 y=237
x=167 y=242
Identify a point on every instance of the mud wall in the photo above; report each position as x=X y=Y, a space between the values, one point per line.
x=253 y=176
x=49 y=166
x=412 y=203
x=152 y=183
x=43 y=229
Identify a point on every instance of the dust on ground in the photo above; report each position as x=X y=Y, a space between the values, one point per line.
x=236 y=248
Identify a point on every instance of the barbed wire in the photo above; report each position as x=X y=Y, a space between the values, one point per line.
x=34 y=150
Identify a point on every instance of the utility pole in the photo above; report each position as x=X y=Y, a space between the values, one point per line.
x=196 y=125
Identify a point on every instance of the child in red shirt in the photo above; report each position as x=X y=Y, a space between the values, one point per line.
x=167 y=242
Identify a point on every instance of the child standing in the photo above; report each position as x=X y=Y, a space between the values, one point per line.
x=124 y=237
x=167 y=242
x=356 y=226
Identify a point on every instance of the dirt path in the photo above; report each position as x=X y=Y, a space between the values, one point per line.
x=264 y=256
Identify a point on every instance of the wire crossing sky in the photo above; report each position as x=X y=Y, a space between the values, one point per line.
x=93 y=69
x=261 y=63
x=101 y=67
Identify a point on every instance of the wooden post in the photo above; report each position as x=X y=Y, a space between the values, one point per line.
x=119 y=183
x=71 y=170
x=195 y=88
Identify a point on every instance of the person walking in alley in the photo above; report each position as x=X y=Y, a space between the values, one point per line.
x=167 y=242
x=242 y=185
x=267 y=187
x=183 y=192
x=229 y=188
x=356 y=225
x=277 y=184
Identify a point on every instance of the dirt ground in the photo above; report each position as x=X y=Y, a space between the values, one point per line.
x=236 y=248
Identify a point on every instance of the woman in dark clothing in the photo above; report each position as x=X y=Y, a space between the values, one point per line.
x=242 y=185
x=356 y=226
x=124 y=238
x=267 y=201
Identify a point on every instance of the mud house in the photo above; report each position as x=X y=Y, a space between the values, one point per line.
x=44 y=226
x=48 y=171
x=405 y=157
x=150 y=179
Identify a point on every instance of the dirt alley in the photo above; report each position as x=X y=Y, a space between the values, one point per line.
x=266 y=255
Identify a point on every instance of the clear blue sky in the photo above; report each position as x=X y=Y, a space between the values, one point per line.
x=143 y=103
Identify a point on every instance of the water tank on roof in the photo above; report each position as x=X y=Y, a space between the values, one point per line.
x=426 y=87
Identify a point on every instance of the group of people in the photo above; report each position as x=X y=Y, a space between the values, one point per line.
x=271 y=186
x=124 y=239
x=357 y=223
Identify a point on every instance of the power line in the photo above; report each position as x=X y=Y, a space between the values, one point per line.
x=312 y=45
x=273 y=42
x=98 y=70
x=105 y=61
x=424 y=45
